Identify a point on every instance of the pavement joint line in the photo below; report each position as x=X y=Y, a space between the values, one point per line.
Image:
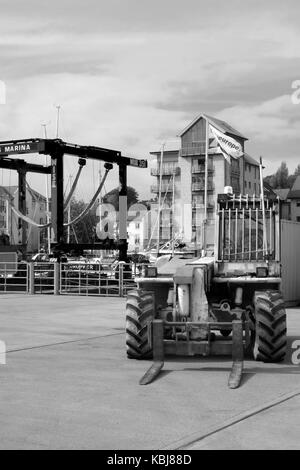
x=193 y=438
x=61 y=343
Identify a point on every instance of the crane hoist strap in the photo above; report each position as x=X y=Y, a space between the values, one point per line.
x=72 y=190
x=91 y=204
x=28 y=220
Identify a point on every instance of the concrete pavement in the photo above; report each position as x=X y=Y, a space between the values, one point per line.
x=68 y=385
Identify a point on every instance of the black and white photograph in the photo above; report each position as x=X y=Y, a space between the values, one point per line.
x=150 y=228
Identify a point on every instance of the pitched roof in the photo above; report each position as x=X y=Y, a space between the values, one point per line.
x=35 y=194
x=282 y=193
x=10 y=190
x=250 y=159
x=220 y=125
x=295 y=191
x=268 y=190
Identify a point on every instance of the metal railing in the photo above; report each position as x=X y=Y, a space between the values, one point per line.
x=90 y=279
x=113 y=280
x=200 y=168
x=75 y=278
x=42 y=276
x=194 y=148
x=13 y=277
x=199 y=186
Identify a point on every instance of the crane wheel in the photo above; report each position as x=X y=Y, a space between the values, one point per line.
x=270 y=342
x=139 y=312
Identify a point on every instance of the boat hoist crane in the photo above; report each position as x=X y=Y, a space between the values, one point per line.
x=57 y=148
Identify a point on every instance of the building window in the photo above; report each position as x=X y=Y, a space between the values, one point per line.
x=249 y=184
x=298 y=219
x=298 y=204
x=137 y=225
x=235 y=183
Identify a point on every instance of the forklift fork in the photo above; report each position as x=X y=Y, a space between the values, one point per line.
x=237 y=348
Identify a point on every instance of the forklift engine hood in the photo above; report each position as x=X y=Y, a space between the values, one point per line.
x=175 y=265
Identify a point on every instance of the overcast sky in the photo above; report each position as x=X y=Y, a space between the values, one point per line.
x=131 y=74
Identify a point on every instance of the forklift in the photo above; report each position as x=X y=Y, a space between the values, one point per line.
x=228 y=303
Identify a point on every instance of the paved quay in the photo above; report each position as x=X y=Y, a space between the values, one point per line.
x=67 y=384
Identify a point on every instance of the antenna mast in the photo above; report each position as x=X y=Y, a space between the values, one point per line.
x=57 y=120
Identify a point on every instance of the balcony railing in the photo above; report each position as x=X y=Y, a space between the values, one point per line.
x=166 y=170
x=201 y=187
x=210 y=205
x=197 y=148
x=201 y=168
x=165 y=188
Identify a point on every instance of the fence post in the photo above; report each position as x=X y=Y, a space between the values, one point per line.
x=31 y=278
x=121 y=278
x=56 y=278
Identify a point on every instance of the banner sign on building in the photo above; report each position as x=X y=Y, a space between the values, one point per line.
x=228 y=145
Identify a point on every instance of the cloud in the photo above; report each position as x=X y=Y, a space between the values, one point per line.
x=275 y=119
x=131 y=74
x=105 y=111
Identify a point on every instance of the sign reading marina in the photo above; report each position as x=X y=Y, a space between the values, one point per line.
x=16 y=147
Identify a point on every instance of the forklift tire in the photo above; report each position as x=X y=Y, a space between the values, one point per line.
x=139 y=312
x=270 y=342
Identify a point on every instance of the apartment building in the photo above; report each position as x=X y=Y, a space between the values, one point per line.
x=139 y=228
x=170 y=190
x=10 y=223
x=188 y=190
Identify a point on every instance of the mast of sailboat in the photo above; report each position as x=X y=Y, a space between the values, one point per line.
x=159 y=197
x=173 y=211
x=47 y=199
x=69 y=216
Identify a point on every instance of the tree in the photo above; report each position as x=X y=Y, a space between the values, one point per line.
x=282 y=179
x=297 y=170
x=84 y=231
x=113 y=197
x=281 y=176
x=271 y=180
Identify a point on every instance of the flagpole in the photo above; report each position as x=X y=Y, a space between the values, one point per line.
x=205 y=183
